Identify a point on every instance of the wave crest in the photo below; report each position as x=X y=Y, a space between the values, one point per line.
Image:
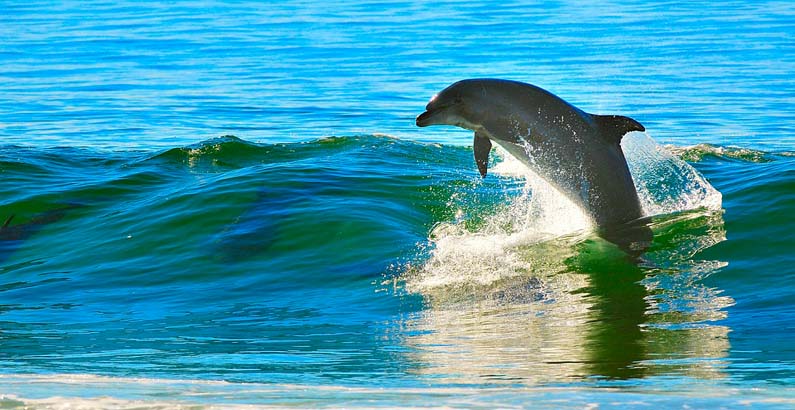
x=699 y=152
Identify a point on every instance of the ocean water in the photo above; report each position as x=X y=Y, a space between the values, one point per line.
x=228 y=205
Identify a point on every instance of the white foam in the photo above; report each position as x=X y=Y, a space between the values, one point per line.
x=201 y=395
x=538 y=214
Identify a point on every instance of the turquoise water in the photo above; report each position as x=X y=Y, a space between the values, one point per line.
x=229 y=205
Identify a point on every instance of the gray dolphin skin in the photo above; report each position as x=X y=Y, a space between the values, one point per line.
x=578 y=153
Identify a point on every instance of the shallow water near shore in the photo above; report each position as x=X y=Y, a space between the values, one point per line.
x=229 y=206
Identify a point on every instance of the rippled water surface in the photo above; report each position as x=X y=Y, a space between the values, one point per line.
x=229 y=205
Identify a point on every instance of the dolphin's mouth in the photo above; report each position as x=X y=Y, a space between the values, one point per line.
x=424 y=119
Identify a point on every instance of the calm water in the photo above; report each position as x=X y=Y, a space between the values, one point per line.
x=229 y=205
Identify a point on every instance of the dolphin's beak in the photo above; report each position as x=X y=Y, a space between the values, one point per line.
x=424 y=119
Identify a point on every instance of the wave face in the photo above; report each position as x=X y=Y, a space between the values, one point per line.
x=373 y=261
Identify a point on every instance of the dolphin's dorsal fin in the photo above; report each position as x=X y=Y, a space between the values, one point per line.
x=482 y=147
x=613 y=127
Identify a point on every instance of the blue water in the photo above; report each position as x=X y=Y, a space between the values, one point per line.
x=229 y=204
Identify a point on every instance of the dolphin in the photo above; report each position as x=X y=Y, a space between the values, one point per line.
x=576 y=152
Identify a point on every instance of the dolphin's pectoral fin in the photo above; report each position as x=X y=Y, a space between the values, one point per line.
x=613 y=127
x=482 y=148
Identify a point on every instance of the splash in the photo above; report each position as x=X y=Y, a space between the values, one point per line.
x=665 y=183
x=541 y=217
x=540 y=213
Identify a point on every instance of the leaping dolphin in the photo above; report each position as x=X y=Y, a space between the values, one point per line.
x=578 y=153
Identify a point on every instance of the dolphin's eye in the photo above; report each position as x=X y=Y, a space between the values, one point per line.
x=458 y=100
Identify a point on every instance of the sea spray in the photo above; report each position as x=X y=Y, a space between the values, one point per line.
x=665 y=183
